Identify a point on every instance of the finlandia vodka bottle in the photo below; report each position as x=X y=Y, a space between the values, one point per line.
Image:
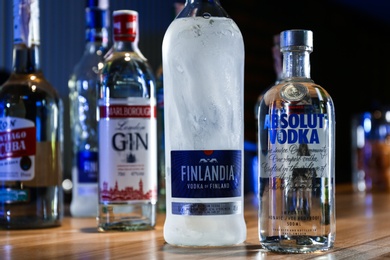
x=296 y=156
x=127 y=133
x=30 y=133
x=203 y=62
x=83 y=123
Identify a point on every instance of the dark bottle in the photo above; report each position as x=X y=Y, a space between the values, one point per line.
x=30 y=133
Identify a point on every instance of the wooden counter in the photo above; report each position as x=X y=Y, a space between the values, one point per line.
x=363 y=232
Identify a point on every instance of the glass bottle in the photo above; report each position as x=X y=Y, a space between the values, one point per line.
x=178 y=6
x=82 y=102
x=127 y=133
x=296 y=156
x=203 y=61
x=30 y=133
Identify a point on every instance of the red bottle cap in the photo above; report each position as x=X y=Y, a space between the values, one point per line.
x=125 y=25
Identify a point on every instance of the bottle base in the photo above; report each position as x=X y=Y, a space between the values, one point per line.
x=204 y=231
x=126 y=217
x=28 y=223
x=298 y=245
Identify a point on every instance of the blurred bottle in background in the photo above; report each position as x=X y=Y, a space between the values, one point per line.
x=83 y=122
x=127 y=133
x=178 y=6
x=31 y=113
x=371 y=151
x=278 y=67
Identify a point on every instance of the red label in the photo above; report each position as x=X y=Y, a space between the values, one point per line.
x=17 y=143
x=121 y=111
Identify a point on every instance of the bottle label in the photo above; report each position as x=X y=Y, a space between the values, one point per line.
x=206 y=209
x=17 y=149
x=206 y=175
x=296 y=165
x=127 y=152
x=14 y=195
x=87 y=163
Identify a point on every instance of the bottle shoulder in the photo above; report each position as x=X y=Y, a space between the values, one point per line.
x=127 y=64
x=33 y=84
x=297 y=92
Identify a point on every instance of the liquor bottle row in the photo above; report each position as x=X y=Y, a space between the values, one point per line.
x=117 y=156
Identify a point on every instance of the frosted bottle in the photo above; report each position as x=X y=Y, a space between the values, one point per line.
x=203 y=62
x=296 y=156
x=82 y=102
x=127 y=133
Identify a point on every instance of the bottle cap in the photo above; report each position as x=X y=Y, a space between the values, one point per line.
x=125 y=25
x=102 y=4
x=292 y=38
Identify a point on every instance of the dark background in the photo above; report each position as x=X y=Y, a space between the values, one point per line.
x=350 y=58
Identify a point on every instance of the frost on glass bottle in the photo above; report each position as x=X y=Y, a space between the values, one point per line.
x=82 y=103
x=127 y=133
x=203 y=61
x=30 y=133
x=296 y=156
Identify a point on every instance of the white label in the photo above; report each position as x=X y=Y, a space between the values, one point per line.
x=17 y=149
x=127 y=151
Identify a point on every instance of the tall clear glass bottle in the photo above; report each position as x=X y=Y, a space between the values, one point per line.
x=127 y=133
x=296 y=156
x=83 y=102
x=203 y=61
x=30 y=133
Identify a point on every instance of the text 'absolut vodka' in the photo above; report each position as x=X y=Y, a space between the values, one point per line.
x=293 y=128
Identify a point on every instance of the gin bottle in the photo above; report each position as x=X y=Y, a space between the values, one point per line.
x=82 y=103
x=296 y=156
x=127 y=133
x=30 y=133
x=203 y=61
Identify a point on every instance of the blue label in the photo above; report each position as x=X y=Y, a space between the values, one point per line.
x=87 y=164
x=13 y=195
x=206 y=174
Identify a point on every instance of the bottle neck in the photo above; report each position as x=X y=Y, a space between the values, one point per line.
x=125 y=46
x=26 y=60
x=26 y=37
x=203 y=8
x=296 y=64
x=97 y=39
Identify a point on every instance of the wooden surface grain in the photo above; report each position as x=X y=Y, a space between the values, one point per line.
x=363 y=232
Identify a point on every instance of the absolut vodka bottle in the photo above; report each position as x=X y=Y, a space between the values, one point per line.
x=127 y=133
x=203 y=61
x=296 y=156
x=82 y=102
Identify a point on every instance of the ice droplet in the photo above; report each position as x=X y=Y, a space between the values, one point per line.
x=206 y=15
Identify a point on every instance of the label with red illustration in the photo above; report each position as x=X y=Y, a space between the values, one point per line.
x=127 y=152
x=17 y=149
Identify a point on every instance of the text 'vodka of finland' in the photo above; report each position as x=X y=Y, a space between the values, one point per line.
x=203 y=62
x=296 y=156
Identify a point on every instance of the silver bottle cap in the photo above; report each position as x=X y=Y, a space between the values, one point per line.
x=292 y=38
